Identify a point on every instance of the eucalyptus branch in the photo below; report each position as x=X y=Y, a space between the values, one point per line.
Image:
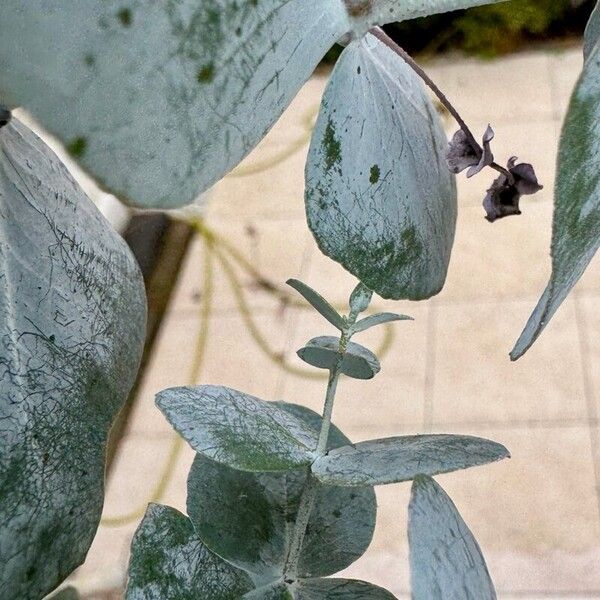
x=307 y=499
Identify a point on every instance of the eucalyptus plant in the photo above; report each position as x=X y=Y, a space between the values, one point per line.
x=279 y=498
x=158 y=101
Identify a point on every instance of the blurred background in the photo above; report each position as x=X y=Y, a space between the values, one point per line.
x=221 y=314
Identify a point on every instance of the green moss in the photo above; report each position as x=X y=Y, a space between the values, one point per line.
x=125 y=17
x=375 y=174
x=331 y=146
x=206 y=73
x=77 y=147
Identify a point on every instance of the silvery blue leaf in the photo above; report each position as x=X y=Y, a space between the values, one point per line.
x=396 y=459
x=245 y=517
x=169 y=561
x=159 y=100
x=319 y=303
x=576 y=224
x=379 y=197
x=358 y=362
x=72 y=328
x=340 y=589
x=378 y=319
x=446 y=562
x=592 y=32
x=237 y=429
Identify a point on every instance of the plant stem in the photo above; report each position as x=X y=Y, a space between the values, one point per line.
x=407 y=58
x=309 y=492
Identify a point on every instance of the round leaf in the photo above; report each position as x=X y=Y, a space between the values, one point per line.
x=358 y=362
x=169 y=561
x=379 y=197
x=72 y=324
x=247 y=517
x=159 y=100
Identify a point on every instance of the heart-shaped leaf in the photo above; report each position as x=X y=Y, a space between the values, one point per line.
x=159 y=100
x=379 y=197
x=357 y=362
x=592 y=32
x=576 y=226
x=319 y=303
x=378 y=319
x=397 y=459
x=340 y=589
x=237 y=429
x=169 y=561
x=246 y=517
x=445 y=559
x=72 y=322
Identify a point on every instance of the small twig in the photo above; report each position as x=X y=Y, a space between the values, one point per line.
x=389 y=42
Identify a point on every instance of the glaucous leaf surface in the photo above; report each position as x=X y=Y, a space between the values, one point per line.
x=72 y=323
x=340 y=589
x=366 y=13
x=237 y=429
x=159 y=100
x=592 y=32
x=395 y=459
x=378 y=319
x=358 y=362
x=446 y=562
x=246 y=517
x=576 y=225
x=68 y=593
x=169 y=561
x=379 y=197
x=319 y=303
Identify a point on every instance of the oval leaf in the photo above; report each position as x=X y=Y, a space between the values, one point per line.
x=592 y=32
x=319 y=303
x=445 y=559
x=245 y=517
x=277 y=591
x=237 y=429
x=396 y=459
x=72 y=322
x=169 y=561
x=576 y=225
x=159 y=100
x=379 y=198
x=340 y=589
x=378 y=319
x=358 y=361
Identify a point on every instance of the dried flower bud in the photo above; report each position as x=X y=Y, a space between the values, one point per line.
x=502 y=199
x=463 y=155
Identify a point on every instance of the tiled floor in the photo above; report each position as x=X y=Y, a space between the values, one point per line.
x=537 y=516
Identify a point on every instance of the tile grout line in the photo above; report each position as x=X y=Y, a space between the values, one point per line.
x=293 y=321
x=430 y=364
x=589 y=393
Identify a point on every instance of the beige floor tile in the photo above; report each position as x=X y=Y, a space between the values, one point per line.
x=476 y=382
x=588 y=312
x=565 y=67
x=394 y=396
x=232 y=358
x=535 y=515
x=275 y=249
x=480 y=88
x=507 y=260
